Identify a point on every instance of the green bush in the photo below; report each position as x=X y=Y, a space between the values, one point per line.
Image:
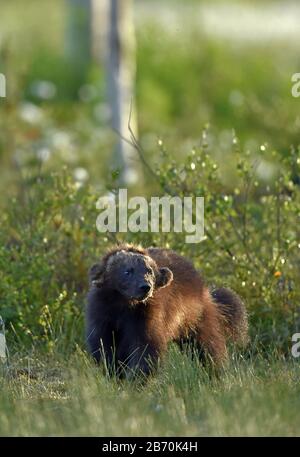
x=252 y=233
x=48 y=241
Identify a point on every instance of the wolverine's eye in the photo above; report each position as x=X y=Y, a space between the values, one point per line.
x=128 y=272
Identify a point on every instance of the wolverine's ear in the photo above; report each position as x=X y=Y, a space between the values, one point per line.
x=164 y=277
x=96 y=274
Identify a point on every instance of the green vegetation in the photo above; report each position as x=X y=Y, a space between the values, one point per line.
x=54 y=159
x=49 y=396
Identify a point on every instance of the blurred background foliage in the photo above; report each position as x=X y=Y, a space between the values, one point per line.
x=216 y=118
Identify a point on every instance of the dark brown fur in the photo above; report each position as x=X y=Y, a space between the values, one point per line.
x=130 y=329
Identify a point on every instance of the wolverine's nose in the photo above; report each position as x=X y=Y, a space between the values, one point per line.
x=144 y=288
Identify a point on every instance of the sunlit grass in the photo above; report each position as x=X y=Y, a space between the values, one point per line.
x=50 y=396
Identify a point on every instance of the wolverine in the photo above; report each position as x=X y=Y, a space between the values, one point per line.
x=140 y=300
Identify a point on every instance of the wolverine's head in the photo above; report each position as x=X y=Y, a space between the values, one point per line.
x=134 y=275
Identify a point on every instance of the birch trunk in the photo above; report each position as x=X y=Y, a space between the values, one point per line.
x=121 y=81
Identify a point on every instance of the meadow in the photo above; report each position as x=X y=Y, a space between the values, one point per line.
x=59 y=396
x=216 y=119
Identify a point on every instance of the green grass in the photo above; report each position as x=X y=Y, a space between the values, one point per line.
x=54 y=396
x=48 y=241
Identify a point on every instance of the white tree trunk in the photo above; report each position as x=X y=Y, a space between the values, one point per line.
x=121 y=82
x=105 y=30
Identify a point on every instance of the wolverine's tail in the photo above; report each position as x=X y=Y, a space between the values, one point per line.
x=233 y=312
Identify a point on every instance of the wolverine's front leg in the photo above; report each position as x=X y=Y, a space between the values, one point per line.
x=101 y=340
x=138 y=356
